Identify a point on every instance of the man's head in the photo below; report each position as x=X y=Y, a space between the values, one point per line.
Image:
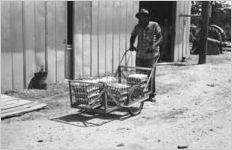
x=143 y=17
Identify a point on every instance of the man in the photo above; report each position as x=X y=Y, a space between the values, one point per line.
x=149 y=37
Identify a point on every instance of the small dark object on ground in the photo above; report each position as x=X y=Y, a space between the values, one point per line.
x=120 y=145
x=182 y=147
x=40 y=141
x=211 y=130
x=211 y=85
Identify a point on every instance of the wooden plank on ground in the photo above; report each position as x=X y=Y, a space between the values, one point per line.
x=10 y=102
x=7 y=100
x=11 y=106
x=3 y=96
x=19 y=108
x=16 y=103
x=18 y=112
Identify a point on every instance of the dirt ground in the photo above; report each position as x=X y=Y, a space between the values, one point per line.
x=193 y=111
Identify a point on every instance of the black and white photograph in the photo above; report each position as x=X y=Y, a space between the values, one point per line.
x=115 y=74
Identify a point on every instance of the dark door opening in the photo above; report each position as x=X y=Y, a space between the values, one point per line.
x=163 y=12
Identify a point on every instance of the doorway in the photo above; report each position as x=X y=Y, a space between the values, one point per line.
x=164 y=13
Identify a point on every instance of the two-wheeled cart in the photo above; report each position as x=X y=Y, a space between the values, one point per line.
x=126 y=91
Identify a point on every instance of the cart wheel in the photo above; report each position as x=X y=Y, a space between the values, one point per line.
x=134 y=93
x=136 y=110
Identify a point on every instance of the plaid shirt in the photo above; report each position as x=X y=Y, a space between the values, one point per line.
x=146 y=37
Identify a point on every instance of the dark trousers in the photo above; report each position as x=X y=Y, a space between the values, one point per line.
x=148 y=63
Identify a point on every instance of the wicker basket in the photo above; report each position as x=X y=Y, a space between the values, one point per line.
x=85 y=93
x=119 y=92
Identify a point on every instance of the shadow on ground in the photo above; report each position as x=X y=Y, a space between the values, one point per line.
x=90 y=119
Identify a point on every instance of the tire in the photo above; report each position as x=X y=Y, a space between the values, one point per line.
x=135 y=92
x=136 y=110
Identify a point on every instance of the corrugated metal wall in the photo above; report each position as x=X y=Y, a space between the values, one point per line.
x=101 y=35
x=182 y=30
x=33 y=34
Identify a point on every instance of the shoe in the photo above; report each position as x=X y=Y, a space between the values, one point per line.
x=152 y=98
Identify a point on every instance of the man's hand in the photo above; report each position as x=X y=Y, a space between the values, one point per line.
x=132 y=48
x=154 y=46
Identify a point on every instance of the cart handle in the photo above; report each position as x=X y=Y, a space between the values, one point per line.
x=124 y=54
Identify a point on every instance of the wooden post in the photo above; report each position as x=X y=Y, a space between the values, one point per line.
x=204 y=32
x=69 y=44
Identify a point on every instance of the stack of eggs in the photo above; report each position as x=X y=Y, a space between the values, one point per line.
x=86 y=93
x=118 y=91
x=107 y=79
x=134 y=79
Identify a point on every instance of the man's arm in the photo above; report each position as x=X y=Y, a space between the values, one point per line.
x=159 y=39
x=158 y=36
x=132 y=39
